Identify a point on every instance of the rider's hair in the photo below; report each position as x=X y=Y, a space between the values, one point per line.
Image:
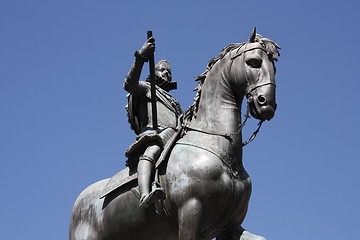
x=166 y=63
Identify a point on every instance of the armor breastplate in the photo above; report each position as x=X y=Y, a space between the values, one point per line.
x=140 y=114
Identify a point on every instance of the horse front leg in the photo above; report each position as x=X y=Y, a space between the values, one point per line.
x=238 y=233
x=189 y=218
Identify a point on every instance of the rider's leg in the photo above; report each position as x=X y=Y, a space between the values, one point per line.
x=145 y=169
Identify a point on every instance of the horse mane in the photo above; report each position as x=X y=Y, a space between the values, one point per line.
x=271 y=48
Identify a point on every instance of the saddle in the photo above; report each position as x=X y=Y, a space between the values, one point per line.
x=128 y=175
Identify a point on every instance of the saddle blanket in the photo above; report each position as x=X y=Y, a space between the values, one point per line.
x=120 y=179
x=126 y=175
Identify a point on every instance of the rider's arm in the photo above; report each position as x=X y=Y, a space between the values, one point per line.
x=132 y=84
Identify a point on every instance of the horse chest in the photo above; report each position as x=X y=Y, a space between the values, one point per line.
x=202 y=175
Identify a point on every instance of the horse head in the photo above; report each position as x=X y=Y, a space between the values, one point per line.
x=253 y=70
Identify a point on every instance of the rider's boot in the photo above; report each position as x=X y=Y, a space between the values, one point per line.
x=145 y=169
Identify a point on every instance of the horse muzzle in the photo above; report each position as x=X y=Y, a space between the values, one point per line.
x=262 y=102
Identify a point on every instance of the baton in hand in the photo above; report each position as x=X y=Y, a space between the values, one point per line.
x=152 y=84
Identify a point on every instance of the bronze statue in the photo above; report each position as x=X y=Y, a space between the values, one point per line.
x=207 y=188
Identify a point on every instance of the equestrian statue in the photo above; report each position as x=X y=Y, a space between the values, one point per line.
x=184 y=177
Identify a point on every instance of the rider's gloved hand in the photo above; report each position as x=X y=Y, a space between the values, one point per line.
x=148 y=48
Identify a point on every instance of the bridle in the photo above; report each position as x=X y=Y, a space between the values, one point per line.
x=250 y=90
x=248 y=96
x=238 y=54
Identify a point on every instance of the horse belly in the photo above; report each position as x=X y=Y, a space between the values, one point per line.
x=124 y=219
x=115 y=217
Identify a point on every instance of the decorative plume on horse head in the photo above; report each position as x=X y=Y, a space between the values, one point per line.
x=201 y=189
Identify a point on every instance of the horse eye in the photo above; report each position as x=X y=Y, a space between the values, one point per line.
x=255 y=63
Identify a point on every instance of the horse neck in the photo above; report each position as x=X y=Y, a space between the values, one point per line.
x=219 y=108
x=219 y=114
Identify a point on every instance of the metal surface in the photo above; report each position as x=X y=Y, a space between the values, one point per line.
x=207 y=188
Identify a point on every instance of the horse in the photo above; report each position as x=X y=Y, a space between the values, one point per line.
x=207 y=188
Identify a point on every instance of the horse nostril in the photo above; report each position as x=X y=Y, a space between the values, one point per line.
x=261 y=99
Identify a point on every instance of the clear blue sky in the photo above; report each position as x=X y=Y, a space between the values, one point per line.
x=63 y=124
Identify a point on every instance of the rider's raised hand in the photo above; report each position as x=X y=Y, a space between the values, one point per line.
x=148 y=48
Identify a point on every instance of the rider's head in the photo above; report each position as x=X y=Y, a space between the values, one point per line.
x=163 y=76
x=163 y=71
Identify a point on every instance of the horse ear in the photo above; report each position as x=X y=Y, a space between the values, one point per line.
x=253 y=35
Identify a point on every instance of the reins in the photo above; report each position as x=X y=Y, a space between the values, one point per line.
x=253 y=136
x=227 y=135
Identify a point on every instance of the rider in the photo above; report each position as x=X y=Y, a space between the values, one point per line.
x=149 y=142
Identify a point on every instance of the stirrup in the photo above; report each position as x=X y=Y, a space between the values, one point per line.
x=157 y=193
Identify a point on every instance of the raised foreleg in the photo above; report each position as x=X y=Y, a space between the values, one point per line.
x=238 y=233
x=189 y=220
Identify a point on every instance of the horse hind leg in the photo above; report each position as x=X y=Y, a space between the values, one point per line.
x=82 y=224
x=238 y=233
x=189 y=220
x=86 y=213
x=84 y=231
